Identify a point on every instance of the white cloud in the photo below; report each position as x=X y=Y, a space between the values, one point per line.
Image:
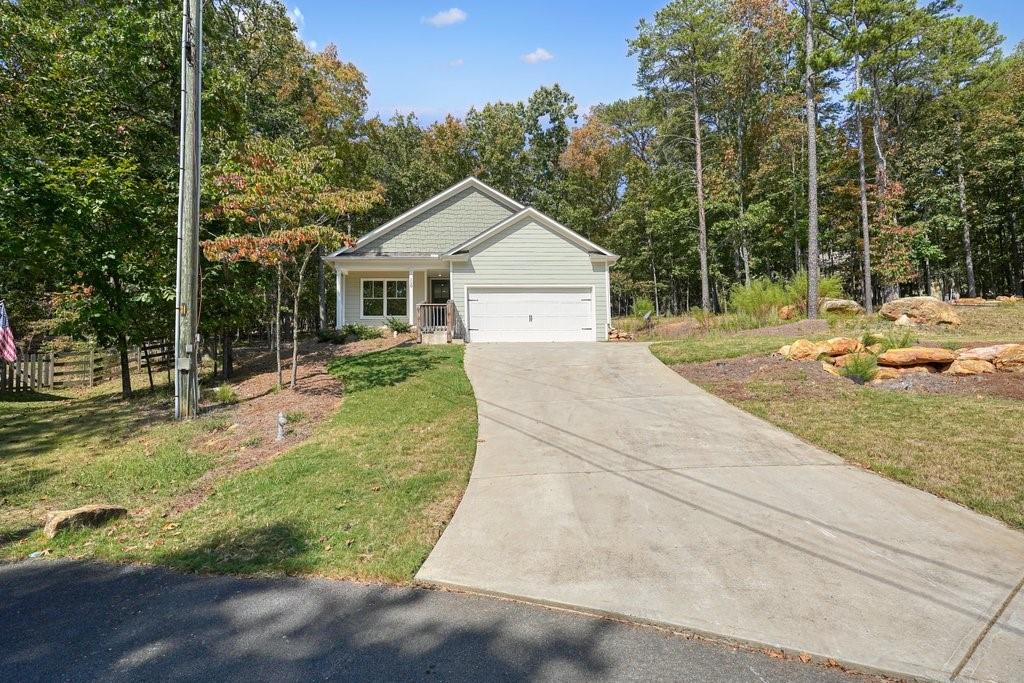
x=298 y=17
x=446 y=17
x=312 y=45
x=456 y=62
x=537 y=56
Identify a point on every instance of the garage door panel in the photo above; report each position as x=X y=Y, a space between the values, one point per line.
x=531 y=314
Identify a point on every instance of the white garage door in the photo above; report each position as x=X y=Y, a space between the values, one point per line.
x=530 y=314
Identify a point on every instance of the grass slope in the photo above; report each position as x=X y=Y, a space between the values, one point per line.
x=969 y=449
x=365 y=497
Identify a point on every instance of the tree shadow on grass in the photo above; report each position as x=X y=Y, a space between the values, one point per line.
x=382 y=369
x=30 y=397
x=274 y=548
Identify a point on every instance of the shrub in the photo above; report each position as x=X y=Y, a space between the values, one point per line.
x=348 y=332
x=760 y=300
x=225 y=394
x=861 y=368
x=399 y=326
x=829 y=287
x=642 y=306
x=898 y=338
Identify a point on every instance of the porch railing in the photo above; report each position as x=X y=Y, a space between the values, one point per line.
x=436 y=317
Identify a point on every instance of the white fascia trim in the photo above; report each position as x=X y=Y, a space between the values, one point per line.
x=434 y=201
x=541 y=218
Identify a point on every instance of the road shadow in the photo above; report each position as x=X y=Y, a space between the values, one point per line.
x=87 y=621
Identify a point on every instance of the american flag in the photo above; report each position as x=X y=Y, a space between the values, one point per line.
x=8 y=351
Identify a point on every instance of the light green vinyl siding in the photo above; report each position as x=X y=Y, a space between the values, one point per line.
x=529 y=254
x=353 y=312
x=452 y=222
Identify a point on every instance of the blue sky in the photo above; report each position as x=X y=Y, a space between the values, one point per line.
x=433 y=58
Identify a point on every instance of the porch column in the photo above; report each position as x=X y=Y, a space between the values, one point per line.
x=408 y=299
x=339 y=298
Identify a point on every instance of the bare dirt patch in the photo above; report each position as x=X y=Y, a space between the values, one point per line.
x=732 y=378
x=249 y=437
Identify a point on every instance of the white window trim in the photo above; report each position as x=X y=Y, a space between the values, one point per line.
x=385 y=280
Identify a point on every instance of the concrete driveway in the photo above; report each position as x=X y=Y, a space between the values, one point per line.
x=606 y=482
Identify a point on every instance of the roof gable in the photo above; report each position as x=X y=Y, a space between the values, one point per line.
x=426 y=230
x=530 y=214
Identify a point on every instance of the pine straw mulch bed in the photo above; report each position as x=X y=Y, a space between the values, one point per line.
x=249 y=436
x=731 y=379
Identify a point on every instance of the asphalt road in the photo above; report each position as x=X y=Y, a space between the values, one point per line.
x=71 y=621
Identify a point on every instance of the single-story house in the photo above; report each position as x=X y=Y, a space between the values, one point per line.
x=509 y=272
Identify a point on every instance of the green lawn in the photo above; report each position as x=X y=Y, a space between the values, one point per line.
x=366 y=496
x=969 y=449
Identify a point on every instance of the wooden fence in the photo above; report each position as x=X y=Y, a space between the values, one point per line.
x=34 y=371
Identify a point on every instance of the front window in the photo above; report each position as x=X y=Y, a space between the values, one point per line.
x=385 y=298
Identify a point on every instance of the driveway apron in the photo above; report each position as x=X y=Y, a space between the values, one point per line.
x=605 y=482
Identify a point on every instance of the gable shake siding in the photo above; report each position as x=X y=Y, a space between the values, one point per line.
x=438 y=229
x=529 y=254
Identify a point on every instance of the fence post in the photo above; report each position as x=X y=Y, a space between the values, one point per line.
x=92 y=364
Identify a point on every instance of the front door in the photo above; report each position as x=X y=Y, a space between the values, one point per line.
x=440 y=291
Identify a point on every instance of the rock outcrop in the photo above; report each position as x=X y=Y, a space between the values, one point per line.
x=922 y=310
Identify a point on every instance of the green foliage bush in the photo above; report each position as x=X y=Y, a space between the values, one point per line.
x=349 y=332
x=760 y=300
x=225 y=394
x=399 y=326
x=642 y=306
x=861 y=368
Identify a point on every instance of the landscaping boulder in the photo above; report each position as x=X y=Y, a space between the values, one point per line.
x=904 y=321
x=87 y=515
x=840 y=346
x=803 y=349
x=787 y=312
x=922 y=310
x=884 y=373
x=841 y=307
x=970 y=366
x=830 y=369
x=1011 y=359
x=971 y=301
x=916 y=355
x=988 y=353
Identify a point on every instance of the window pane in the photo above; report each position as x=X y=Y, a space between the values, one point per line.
x=373 y=307
x=397 y=306
x=373 y=288
x=396 y=288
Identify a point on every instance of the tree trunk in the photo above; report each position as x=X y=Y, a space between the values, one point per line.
x=865 y=225
x=321 y=291
x=227 y=351
x=961 y=186
x=1018 y=253
x=126 y=369
x=702 y=243
x=812 y=166
x=295 y=316
x=277 y=327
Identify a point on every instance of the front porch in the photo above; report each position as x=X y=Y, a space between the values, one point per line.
x=418 y=292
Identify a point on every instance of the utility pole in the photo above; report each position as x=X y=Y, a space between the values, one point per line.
x=186 y=316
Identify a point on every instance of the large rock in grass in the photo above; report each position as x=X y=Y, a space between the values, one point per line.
x=885 y=373
x=988 y=353
x=788 y=312
x=922 y=310
x=87 y=515
x=843 y=361
x=841 y=346
x=1011 y=360
x=802 y=349
x=968 y=366
x=841 y=307
x=916 y=355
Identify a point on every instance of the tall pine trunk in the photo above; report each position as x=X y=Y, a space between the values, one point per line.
x=865 y=225
x=961 y=186
x=1018 y=254
x=126 y=371
x=702 y=243
x=277 y=327
x=321 y=291
x=295 y=317
x=812 y=166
